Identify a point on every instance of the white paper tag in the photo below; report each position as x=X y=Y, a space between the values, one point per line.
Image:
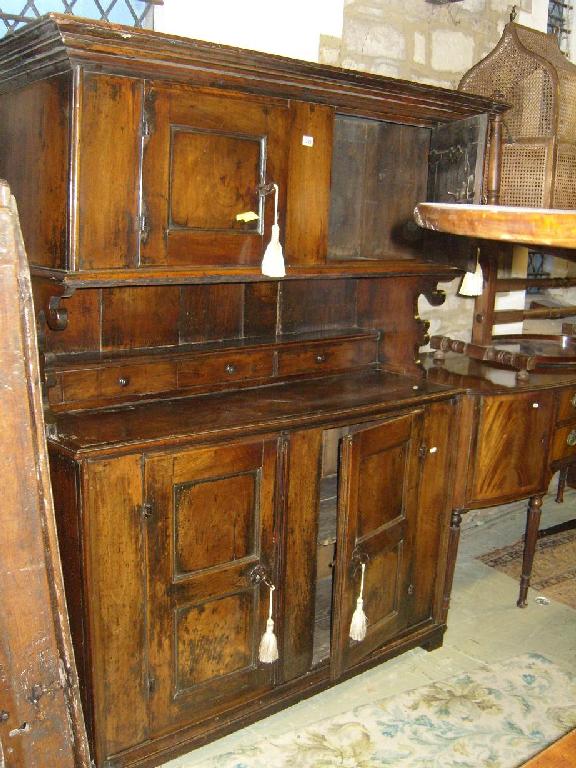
x=307 y=141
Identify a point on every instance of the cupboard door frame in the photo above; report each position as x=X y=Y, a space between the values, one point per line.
x=232 y=119
x=180 y=595
x=395 y=537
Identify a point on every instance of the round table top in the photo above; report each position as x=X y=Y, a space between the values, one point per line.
x=528 y=226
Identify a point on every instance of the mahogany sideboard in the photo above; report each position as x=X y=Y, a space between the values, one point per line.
x=214 y=432
x=514 y=434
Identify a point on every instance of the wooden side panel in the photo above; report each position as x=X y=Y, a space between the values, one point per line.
x=65 y=479
x=511 y=447
x=211 y=312
x=108 y=173
x=41 y=723
x=115 y=562
x=309 y=169
x=301 y=530
x=139 y=317
x=379 y=173
x=433 y=510
x=318 y=305
x=34 y=149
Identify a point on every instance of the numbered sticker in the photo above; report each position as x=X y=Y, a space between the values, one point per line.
x=307 y=141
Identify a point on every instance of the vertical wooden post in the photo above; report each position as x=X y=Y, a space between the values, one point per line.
x=41 y=720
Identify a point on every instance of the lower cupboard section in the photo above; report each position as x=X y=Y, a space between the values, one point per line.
x=170 y=557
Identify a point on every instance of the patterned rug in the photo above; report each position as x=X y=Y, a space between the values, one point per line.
x=493 y=717
x=554 y=570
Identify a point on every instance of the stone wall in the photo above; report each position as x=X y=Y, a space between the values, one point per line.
x=418 y=39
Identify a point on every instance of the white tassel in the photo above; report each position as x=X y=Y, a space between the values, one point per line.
x=273 y=261
x=268 y=651
x=359 y=623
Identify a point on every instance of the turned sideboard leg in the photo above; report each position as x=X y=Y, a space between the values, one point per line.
x=453 y=542
x=530 y=539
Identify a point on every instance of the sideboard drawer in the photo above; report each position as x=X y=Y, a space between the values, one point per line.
x=567 y=404
x=564 y=443
x=326 y=357
x=116 y=381
x=224 y=367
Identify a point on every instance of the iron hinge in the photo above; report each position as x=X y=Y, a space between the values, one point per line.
x=147 y=510
x=144 y=227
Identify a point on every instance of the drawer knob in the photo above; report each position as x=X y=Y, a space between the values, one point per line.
x=573 y=400
x=123 y=381
x=230 y=368
x=571 y=439
x=320 y=358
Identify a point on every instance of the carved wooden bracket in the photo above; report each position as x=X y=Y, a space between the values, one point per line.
x=435 y=296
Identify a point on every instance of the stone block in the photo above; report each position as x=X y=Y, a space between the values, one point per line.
x=452 y=51
x=419 y=48
x=369 y=39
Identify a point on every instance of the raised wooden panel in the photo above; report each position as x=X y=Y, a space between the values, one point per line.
x=211 y=524
x=214 y=639
x=108 y=190
x=226 y=170
x=115 y=559
x=199 y=542
x=566 y=404
x=375 y=533
x=505 y=466
x=205 y=157
x=34 y=151
x=381 y=500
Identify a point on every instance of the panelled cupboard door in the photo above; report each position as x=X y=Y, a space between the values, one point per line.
x=211 y=526
x=377 y=518
x=510 y=449
x=205 y=156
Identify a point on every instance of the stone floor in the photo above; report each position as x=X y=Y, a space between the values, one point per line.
x=484 y=626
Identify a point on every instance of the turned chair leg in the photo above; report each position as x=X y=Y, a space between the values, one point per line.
x=530 y=539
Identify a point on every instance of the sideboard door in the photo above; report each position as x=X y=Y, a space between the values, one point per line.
x=205 y=156
x=377 y=518
x=211 y=519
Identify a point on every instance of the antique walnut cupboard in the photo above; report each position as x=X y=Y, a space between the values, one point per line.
x=212 y=431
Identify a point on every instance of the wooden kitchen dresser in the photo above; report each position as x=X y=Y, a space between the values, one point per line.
x=213 y=431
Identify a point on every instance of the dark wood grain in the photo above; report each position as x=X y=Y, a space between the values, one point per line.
x=41 y=722
x=309 y=171
x=107 y=225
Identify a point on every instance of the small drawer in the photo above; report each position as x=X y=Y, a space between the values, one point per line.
x=118 y=381
x=326 y=357
x=137 y=379
x=567 y=404
x=564 y=443
x=222 y=367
